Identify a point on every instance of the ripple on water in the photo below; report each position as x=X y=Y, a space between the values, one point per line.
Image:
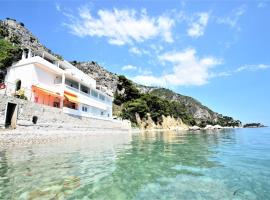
x=225 y=165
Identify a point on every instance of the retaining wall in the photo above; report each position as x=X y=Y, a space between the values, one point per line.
x=54 y=116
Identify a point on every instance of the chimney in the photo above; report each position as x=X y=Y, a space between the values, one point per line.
x=23 y=55
x=29 y=53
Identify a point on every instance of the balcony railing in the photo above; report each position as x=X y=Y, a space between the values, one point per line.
x=72 y=88
x=97 y=98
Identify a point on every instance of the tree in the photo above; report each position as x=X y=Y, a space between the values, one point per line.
x=157 y=106
x=8 y=55
x=130 y=109
x=126 y=91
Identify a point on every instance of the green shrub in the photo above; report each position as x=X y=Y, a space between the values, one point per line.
x=133 y=102
x=8 y=53
x=130 y=109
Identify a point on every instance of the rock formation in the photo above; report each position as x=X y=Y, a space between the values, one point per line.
x=167 y=123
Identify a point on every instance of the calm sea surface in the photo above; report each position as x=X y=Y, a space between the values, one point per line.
x=229 y=164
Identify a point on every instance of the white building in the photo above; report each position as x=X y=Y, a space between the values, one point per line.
x=49 y=81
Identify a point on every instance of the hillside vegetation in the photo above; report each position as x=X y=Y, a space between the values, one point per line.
x=8 y=54
x=132 y=102
x=160 y=102
x=130 y=98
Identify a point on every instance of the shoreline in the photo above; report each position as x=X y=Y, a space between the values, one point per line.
x=46 y=134
x=51 y=133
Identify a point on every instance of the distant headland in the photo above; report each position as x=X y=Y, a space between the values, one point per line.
x=254 y=125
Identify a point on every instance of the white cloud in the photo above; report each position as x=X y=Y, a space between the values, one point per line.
x=58 y=8
x=252 y=67
x=144 y=71
x=261 y=5
x=220 y=74
x=139 y=70
x=232 y=19
x=150 y=80
x=197 y=28
x=249 y=68
x=165 y=24
x=137 y=51
x=121 y=26
x=197 y=76
x=188 y=69
x=129 y=68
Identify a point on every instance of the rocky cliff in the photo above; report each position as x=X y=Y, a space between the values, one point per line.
x=101 y=75
x=18 y=34
x=194 y=107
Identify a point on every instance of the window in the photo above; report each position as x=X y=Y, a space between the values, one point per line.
x=84 y=109
x=84 y=89
x=108 y=100
x=18 y=85
x=58 y=80
x=94 y=93
x=56 y=104
x=61 y=67
x=72 y=83
x=102 y=97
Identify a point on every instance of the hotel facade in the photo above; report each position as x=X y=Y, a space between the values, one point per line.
x=44 y=79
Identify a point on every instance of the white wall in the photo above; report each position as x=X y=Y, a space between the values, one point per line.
x=25 y=73
x=29 y=75
x=44 y=76
x=93 y=111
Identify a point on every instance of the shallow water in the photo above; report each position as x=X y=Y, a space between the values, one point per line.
x=228 y=164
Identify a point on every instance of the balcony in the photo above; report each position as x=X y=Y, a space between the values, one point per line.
x=93 y=94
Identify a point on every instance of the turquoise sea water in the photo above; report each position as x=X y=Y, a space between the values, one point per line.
x=228 y=164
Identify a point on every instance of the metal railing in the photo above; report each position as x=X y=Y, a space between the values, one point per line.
x=89 y=95
x=9 y=89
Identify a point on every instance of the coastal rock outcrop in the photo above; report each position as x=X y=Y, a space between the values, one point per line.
x=253 y=125
x=171 y=123
x=167 y=123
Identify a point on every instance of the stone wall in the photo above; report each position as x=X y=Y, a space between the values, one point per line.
x=54 y=116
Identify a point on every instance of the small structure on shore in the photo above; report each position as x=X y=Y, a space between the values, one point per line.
x=11 y=115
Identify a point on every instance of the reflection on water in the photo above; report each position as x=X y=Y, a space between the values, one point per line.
x=229 y=164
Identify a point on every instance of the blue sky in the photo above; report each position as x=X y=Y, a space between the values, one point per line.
x=216 y=52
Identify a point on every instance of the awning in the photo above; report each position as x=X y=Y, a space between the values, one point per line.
x=42 y=90
x=71 y=97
